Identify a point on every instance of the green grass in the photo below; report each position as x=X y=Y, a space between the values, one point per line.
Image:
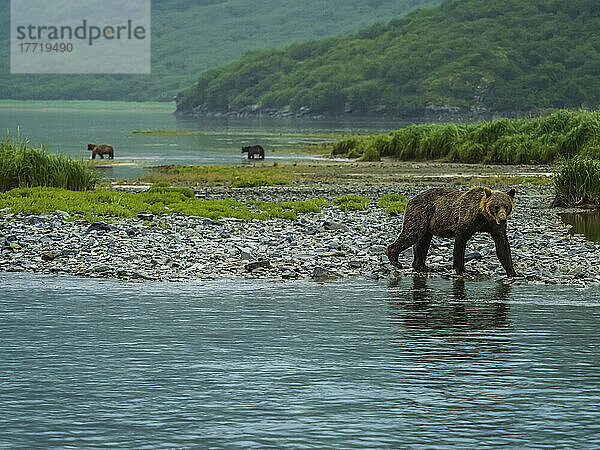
x=577 y=183
x=545 y=139
x=158 y=200
x=352 y=203
x=161 y=199
x=24 y=166
x=234 y=176
x=393 y=203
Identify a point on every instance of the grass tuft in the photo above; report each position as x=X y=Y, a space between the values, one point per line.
x=545 y=139
x=577 y=183
x=393 y=203
x=24 y=166
x=352 y=203
x=158 y=200
x=234 y=176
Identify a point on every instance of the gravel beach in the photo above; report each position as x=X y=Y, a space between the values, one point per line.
x=330 y=245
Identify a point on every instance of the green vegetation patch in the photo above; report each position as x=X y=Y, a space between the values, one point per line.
x=234 y=176
x=352 y=203
x=393 y=203
x=577 y=183
x=24 y=166
x=158 y=200
x=545 y=139
x=515 y=55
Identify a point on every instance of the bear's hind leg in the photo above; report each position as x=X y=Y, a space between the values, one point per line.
x=410 y=235
x=420 y=250
x=460 y=245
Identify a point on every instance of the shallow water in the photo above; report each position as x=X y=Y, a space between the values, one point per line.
x=430 y=363
x=68 y=127
x=586 y=223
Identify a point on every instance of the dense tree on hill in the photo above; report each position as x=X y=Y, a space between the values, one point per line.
x=189 y=37
x=502 y=55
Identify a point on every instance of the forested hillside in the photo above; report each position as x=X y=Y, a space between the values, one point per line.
x=189 y=37
x=501 y=55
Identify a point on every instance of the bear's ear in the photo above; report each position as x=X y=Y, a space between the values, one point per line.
x=512 y=192
x=488 y=192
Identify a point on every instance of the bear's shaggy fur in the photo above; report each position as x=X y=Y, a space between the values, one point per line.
x=101 y=150
x=452 y=213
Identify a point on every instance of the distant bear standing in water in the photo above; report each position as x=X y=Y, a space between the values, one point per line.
x=452 y=213
x=101 y=150
x=254 y=150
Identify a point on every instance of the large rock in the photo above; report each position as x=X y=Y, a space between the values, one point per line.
x=146 y=216
x=246 y=254
x=263 y=264
x=321 y=274
x=61 y=214
x=50 y=256
x=99 y=226
x=335 y=226
x=377 y=250
x=473 y=256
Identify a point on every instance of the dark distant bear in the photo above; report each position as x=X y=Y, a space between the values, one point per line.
x=101 y=150
x=254 y=150
x=452 y=213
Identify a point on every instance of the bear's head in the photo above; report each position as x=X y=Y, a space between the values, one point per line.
x=497 y=205
x=91 y=147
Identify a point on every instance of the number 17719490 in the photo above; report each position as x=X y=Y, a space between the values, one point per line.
x=47 y=47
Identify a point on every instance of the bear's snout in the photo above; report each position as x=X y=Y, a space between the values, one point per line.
x=501 y=217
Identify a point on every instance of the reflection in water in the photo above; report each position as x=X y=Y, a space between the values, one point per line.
x=427 y=311
x=586 y=223
x=428 y=363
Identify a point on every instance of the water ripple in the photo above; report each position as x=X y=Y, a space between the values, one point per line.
x=420 y=363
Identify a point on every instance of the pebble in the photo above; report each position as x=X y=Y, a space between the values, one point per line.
x=324 y=246
x=50 y=256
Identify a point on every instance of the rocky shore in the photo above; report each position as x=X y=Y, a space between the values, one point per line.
x=442 y=113
x=330 y=245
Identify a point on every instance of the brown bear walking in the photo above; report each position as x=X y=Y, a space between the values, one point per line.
x=101 y=150
x=452 y=213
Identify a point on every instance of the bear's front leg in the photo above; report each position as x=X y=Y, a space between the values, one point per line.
x=460 y=245
x=503 y=251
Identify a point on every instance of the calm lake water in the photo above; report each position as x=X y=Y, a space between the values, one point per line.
x=429 y=363
x=68 y=127
x=586 y=223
